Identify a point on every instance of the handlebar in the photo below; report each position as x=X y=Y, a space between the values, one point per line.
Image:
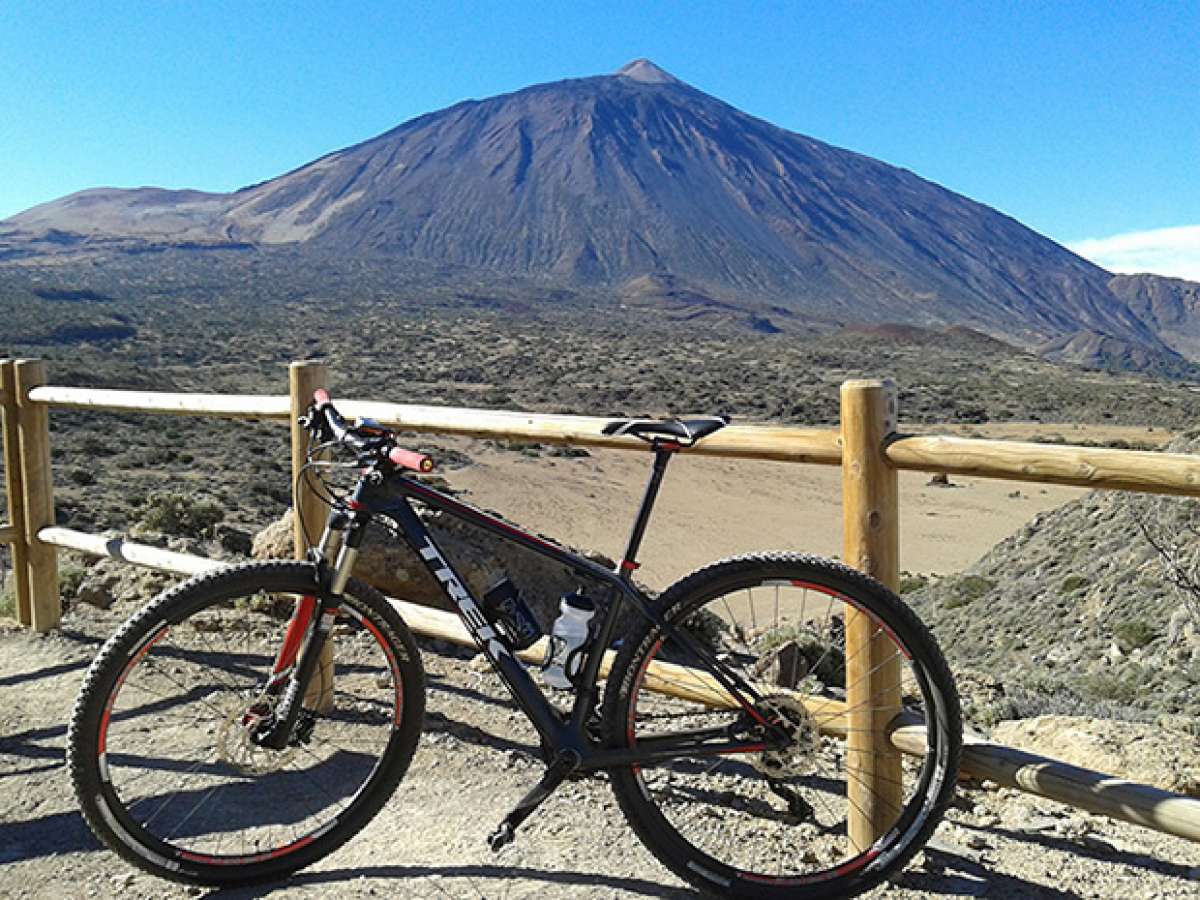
x=328 y=422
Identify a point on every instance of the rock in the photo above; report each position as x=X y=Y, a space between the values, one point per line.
x=1094 y=843
x=1035 y=824
x=234 y=540
x=111 y=580
x=963 y=884
x=976 y=842
x=1144 y=753
x=274 y=541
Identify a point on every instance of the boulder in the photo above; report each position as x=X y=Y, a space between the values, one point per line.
x=110 y=581
x=1149 y=754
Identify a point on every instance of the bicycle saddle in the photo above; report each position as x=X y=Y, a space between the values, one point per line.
x=687 y=430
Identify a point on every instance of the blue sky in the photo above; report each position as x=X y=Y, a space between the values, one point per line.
x=1081 y=120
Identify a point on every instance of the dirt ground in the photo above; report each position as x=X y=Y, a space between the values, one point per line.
x=710 y=508
x=476 y=757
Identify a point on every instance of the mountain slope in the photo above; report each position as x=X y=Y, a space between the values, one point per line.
x=1169 y=306
x=606 y=179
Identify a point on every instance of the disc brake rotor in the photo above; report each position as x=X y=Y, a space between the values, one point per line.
x=235 y=742
x=799 y=756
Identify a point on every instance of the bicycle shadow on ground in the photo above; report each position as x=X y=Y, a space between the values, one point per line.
x=1063 y=844
x=487 y=881
x=953 y=875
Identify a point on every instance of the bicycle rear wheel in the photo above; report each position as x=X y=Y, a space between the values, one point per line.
x=161 y=744
x=773 y=823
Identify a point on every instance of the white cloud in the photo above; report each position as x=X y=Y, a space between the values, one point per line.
x=1163 y=251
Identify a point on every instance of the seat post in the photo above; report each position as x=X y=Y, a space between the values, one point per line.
x=663 y=451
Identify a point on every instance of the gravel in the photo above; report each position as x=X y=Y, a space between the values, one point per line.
x=477 y=757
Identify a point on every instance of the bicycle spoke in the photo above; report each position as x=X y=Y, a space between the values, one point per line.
x=184 y=718
x=772 y=804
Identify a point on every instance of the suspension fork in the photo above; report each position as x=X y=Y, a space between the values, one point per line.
x=313 y=620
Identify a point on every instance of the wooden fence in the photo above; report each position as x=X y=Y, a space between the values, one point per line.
x=867 y=447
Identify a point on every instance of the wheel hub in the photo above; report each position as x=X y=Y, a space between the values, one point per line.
x=798 y=757
x=237 y=747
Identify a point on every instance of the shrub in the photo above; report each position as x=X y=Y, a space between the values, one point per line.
x=1073 y=583
x=706 y=628
x=967 y=589
x=1133 y=634
x=70 y=576
x=82 y=477
x=910 y=583
x=170 y=513
x=1106 y=686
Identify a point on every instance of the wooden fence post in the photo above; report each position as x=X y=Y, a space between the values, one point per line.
x=870 y=512
x=15 y=493
x=308 y=513
x=33 y=426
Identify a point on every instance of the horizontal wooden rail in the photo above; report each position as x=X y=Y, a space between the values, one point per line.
x=1054 y=780
x=127 y=551
x=1085 y=789
x=8 y=534
x=235 y=406
x=661 y=677
x=790 y=444
x=1137 y=470
x=666 y=678
x=784 y=443
x=1094 y=467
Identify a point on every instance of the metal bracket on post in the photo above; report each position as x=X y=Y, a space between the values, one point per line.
x=870 y=510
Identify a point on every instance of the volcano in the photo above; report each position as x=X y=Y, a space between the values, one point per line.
x=613 y=179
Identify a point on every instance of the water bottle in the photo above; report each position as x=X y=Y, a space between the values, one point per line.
x=568 y=637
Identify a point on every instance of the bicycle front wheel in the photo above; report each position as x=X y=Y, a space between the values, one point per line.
x=162 y=743
x=776 y=821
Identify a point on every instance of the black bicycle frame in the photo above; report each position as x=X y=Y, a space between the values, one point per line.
x=391 y=498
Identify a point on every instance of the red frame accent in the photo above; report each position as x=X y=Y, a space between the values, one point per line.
x=297 y=627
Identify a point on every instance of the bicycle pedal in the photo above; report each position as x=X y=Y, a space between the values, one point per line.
x=501 y=837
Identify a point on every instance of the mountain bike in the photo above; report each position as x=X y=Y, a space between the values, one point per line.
x=253 y=719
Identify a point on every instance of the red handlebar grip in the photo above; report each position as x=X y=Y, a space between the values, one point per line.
x=320 y=396
x=410 y=459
